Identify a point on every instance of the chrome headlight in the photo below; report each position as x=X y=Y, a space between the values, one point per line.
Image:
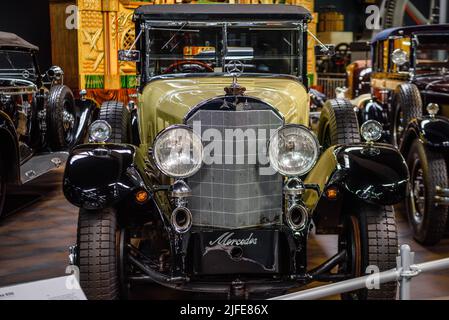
x=371 y=131
x=399 y=57
x=178 y=152
x=100 y=131
x=293 y=150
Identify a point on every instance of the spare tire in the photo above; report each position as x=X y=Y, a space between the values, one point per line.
x=62 y=120
x=407 y=106
x=338 y=124
x=118 y=117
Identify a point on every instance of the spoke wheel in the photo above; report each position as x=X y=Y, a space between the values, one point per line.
x=428 y=170
x=68 y=123
x=418 y=192
x=399 y=128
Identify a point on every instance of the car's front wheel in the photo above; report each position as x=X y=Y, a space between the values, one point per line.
x=98 y=254
x=407 y=106
x=370 y=239
x=61 y=118
x=338 y=124
x=118 y=117
x=428 y=170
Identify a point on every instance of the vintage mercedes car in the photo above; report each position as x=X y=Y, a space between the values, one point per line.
x=214 y=182
x=39 y=118
x=410 y=97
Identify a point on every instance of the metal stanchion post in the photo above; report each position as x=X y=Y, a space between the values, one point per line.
x=405 y=280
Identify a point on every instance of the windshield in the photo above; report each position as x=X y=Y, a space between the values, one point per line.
x=17 y=65
x=206 y=49
x=432 y=53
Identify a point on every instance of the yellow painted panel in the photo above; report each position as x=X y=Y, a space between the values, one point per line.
x=166 y=102
x=320 y=175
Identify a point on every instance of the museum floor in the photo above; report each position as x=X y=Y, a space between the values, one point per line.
x=34 y=242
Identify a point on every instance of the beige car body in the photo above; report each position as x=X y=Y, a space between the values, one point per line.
x=166 y=101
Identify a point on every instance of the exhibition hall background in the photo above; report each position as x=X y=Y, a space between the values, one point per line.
x=30 y=19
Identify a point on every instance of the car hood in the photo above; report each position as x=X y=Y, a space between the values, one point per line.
x=436 y=83
x=166 y=101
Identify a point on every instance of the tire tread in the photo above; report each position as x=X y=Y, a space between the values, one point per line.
x=97 y=255
x=343 y=123
x=117 y=116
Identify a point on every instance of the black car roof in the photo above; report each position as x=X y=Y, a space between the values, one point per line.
x=406 y=31
x=11 y=40
x=222 y=12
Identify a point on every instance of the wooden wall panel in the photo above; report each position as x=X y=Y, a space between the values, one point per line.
x=64 y=43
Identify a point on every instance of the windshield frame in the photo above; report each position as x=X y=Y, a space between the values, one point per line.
x=144 y=45
x=33 y=59
x=415 y=48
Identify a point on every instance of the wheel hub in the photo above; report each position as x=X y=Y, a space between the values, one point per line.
x=399 y=128
x=418 y=192
x=68 y=123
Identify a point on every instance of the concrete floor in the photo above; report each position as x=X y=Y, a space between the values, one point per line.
x=34 y=242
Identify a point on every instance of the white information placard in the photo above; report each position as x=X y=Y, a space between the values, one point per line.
x=63 y=288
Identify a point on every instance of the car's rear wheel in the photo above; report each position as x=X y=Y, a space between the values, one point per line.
x=98 y=254
x=428 y=170
x=370 y=240
x=61 y=118
x=118 y=117
x=407 y=106
x=338 y=124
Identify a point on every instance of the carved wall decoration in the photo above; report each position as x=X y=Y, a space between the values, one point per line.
x=89 y=54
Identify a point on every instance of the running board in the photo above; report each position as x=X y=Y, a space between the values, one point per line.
x=41 y=164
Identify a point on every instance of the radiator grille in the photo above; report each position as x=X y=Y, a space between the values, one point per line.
x=236 y=195
x=330 y=82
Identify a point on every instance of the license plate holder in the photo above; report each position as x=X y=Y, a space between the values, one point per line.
x=236 y=252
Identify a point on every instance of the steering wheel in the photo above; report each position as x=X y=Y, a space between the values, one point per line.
x=342 y=49
x=341 y=58
x=187 y=66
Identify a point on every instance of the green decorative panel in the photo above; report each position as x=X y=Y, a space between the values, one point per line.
x=94 y=81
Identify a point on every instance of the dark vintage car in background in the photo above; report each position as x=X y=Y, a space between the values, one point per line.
x=410 y=97
x=39 y=117
x=154 y=207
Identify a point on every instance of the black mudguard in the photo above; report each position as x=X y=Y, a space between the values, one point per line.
x=376 y=174
x=9 y=149
x=371 y=110
x=87 y=110
x=433 y=132
x=99 y=176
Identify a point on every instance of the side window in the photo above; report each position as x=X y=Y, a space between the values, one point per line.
x=374 y=56
x=386 y=56
x=379 y=56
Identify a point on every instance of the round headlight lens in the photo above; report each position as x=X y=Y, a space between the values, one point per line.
x=178 y=152
x=399 y=57
x=100 y=131
x=433 y=109
x=371 y=131
x=293 y=150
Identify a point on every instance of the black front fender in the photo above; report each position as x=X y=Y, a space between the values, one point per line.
x=87 y=110
x=433 y=132
x=98 y=176
x=376 y=174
